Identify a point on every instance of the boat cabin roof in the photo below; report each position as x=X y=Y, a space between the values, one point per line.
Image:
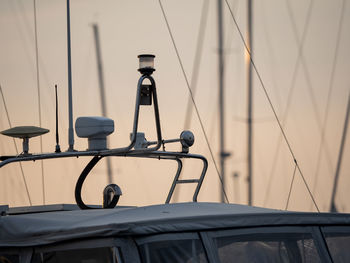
x=34 y=229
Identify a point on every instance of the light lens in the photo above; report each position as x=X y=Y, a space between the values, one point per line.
x=146 y=61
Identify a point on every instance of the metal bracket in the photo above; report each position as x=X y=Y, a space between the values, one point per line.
x=146 y=94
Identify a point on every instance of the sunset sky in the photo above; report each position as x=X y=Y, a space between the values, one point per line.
x=300 y=48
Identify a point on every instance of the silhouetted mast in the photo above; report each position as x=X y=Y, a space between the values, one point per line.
x=333 y=207
x=221 y=97
x=250 y=105
x=102 y=90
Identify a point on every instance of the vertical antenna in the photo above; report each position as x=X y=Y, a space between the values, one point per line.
x=70 y=96
x=250 y=104
x=58 y=148
x=102 y=92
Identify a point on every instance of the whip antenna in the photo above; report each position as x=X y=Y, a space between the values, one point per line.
x=58 y=148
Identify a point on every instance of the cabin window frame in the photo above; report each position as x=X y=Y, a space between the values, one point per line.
x=125 y=245
x=314 y=231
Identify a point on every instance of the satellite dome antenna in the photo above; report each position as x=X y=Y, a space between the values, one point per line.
x=25 y=133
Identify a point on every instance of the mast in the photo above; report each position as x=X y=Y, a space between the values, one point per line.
x=333 y=207
x=221 y=72
x=250 y=104
x=102 y=91
x=70 y=96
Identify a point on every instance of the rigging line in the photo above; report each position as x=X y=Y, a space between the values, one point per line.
x=23 y=39
x=39 y=97
x=271 y=105
x=197 y=62
x=273 y=68
x=195 y=69
x=333 y=207
x=330 y=89
x=192 y=98
x=290 y=95
x=14 y=142
x=256 y=120
x=20 y=11
x=310 y=89
x=229 y=37
x=291 y=186
x=271 y=56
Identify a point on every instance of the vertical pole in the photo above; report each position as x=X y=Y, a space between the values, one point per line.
x=70 y=96
x=221 y=96
x=250 y=104
x=333 y=207
x=102 y=91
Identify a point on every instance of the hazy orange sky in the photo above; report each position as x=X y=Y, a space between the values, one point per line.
x=129 y=28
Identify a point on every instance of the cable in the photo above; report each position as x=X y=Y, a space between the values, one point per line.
x=333 y=207
x=39 y=98
x=20 y=164
x=309 y=86
x=310 y=89
x=330 y=89
x=271 y=105
x=291 y=186
x=195 y=71
x=196 y=62
x=289 y=97
x=192 y=98
x=26 y=34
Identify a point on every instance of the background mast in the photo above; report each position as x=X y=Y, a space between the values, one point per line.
x=250 y=104
x=102 y=91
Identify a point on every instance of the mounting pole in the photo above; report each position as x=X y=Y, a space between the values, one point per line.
x=333 y=207
x=102 y=92
x=250 y=104
x=70 y=96
x=223 y=155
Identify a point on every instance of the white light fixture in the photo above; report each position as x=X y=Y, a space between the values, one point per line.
x=146 y=64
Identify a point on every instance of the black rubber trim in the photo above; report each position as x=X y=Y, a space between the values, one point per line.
x=81 y=180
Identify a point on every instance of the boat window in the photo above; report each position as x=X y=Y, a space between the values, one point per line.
x=266 y=247
x=87 y=255
x=172 y=248
x=7 y=258
x=338 y=242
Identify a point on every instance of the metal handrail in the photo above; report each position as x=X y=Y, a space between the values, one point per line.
x=160 y=155
x=128 y=151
